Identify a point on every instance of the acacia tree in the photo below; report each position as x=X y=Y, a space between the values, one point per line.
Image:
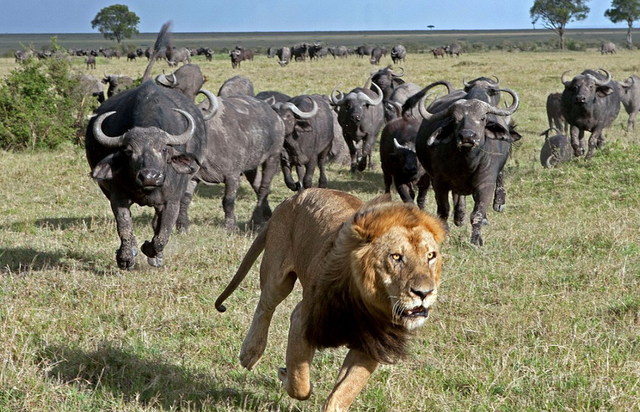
x=624 y=10
x=555 y=14
x=116 y=22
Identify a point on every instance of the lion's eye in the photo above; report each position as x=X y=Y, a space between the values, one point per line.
x=431 y=255
x=396 y=257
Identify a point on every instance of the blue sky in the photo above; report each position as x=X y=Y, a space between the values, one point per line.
x=74 y=16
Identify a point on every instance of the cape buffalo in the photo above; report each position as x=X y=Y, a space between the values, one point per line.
x=309 y=131
x=361 y=116
x=630 y=98
x=398 y=54
x=590 y=102
x=554 y=113
x=555 y=149
x=463 y=149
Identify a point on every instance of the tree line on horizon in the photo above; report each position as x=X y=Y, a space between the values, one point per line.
x=117 y=22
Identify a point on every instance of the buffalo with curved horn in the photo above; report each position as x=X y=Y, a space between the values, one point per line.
x=463 y=149
x=590 y=103
x=361 y=116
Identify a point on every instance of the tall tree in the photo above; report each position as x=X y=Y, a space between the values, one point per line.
x=624 y=10
x=555 y=14
x=116 y=22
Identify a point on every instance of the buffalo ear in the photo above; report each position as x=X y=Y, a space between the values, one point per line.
x=185 y=163
x=303 y=126
x=104 y=169
x=432 y=138
x=603 y=91
x=495 y=130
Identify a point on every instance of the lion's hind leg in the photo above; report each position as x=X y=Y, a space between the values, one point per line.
x=274 y=288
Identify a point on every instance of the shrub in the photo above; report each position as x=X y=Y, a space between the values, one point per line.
x=41 y=106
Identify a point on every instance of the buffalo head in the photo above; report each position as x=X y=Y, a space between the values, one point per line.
x=470 y=121
x=144 y=153
x=296 y=122
x=588 y=86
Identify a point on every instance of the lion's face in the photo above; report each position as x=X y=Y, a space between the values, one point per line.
x=401 y=267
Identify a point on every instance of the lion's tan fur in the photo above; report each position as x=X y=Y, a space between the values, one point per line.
x=362 y=268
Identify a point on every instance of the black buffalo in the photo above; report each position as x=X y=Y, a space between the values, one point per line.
x=143 y=146
x=554 y=113
x=398 y=54
x=308 y=121
x=463 y=149
x=361 y=116
x=590 y=103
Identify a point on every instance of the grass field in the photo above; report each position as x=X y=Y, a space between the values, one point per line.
x=545 y=316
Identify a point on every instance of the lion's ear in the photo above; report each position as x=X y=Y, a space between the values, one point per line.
x=359 y=225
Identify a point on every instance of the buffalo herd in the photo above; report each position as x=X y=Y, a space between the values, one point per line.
x=152 y=144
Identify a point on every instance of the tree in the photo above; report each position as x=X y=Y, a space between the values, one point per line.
x=624 y=10
x=555 y=14
x=116 y=22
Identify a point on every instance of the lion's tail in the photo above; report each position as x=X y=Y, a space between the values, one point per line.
x=250 y=257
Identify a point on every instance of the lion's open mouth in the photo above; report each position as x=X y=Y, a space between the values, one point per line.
x=417 y=312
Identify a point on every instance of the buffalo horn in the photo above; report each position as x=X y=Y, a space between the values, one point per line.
x=564 y=78
x=299 y=113
x=337 y=101
x=378 y=99
x=605 y=81
x=509 y=110
x=213 y=104
x=101 y=137
x=176 y=140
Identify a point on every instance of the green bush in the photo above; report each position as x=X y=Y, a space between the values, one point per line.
x=41 y=106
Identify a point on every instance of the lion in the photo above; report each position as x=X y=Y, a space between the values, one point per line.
x=369 y=275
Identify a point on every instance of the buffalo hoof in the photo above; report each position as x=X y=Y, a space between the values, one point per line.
x=362 y=164
x=156 y=261
x=499 y=207
x=458 y=218
x=294 y=186
x=126 y=261
x=282 y=374
x=578 y=152
x=149 y=249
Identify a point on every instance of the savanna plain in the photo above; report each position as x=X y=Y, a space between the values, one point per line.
x=545 y=316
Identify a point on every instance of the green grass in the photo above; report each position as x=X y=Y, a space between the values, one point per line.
x=546 y=316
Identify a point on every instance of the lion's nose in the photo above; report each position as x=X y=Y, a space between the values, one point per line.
x=421 y=293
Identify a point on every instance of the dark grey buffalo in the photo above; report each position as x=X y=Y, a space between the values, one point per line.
x=399 y=161
x=90 y=61
x=308 y=121
x=453 y=49
x=463 y=149
x=177 y=55
x=590 y=103
x=299 y=51
x=555 y=149
x=238 y=55
x=339 y=51
x=91 y=86
x=394 y=89
x=398 y=53
x=608 y=48
x=245 y=137
x=236 y=86
x=361 y=116
x=116 y=83
x=376 y=55
x=630 y=98
x=144 y=146
x=554 y=113
x=284 y=56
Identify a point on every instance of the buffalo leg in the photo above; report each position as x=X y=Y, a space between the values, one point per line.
x=500 y=195
x=596 y=141
x=442 y=202
x=231 y=184
x=262 y=212
x=322 y=160
x=286 y=172
x=479 y=215
x=167 y=216
x=182 y=224
x=125 y=255
x=353 y=376
x=405 y=191
x=459 y=209
x=423 y=188
x=576 y=141
x=353 y=152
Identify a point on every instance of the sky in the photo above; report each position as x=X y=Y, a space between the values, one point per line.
x=74 y=16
